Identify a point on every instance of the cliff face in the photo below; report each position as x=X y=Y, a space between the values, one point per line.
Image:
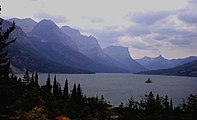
x=26 y=24
x=89 y=46
x=48 y=31
x=121 y=55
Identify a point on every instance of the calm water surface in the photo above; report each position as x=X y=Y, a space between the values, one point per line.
x=118 y=88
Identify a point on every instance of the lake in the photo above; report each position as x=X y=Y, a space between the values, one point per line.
x=118 y=88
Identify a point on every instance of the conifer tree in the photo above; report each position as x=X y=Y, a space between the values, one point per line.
x=59 y=90
x=36 y=78
x=48 y=82
x=55 y=87
x=74 y=92
x=65 y=92
x=4 y=43
x=26 y=78
x=79 y=91
x=171 y=104
x=166 y=103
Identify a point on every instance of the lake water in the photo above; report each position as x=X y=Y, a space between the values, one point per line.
x=118 y=88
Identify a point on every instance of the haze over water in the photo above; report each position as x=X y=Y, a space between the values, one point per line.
x=118 y=88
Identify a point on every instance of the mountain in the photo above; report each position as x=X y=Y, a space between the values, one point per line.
x=161 y=63
x=155 y=63
x=26 y=24
x=49 y=32
x=55 y=45
x=121 y=55
x=24 y=56
x=181 y=61
x=89 y=46
x=187 y=69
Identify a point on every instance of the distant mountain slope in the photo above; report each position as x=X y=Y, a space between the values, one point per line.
x=26 y=24
x=155 y=63
x=23 y=58
x=24 y=55
x=55 y=45
x=49 y=32
x=89 y=46
x=187 y=69
x=181 y=61
x=162 y=63
x=121 y=55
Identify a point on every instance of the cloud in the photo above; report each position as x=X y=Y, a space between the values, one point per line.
x=180 y=41
x=138 y=30
x=93 y=19
x=170 y=33
x=192 y=2
x=147 y=18
x=161 y=37
x=189 y=14
x=57 y=19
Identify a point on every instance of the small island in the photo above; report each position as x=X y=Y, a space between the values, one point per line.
x=148 y=81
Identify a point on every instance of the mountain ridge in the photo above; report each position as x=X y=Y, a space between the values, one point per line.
x=24 y=55
x=187 y=69
x=159 y=62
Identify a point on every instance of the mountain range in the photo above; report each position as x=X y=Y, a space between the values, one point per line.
x=44 y=47
x=47 y=44
x=162 y=63
x=187 y=69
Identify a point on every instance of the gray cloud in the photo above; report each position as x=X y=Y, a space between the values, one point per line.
x=147 y=18
x=154 y=31
x=107 y=36
x=189 y=14
x=193 y=1
x=188 y=17
x=181 y=41
x=166 y=31
x=113 y=27
x=161 y=37
x=138 y=30
x=57 y=19
x=143 y=47
x=93 y=19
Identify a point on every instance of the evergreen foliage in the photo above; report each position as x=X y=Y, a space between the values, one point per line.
x=4 y=43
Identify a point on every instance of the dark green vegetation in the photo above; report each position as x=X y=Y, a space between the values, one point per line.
x=157 y=108
x=187 y=69
x=20 y=97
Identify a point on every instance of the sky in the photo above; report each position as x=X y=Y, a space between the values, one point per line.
x=146 y=27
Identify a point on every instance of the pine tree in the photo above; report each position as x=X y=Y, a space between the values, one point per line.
x=55 y=87
x=65 y=92
x=166 y=103
x=48 y=83
x=79 y=91
x=171 y=104
x=26 y=78
x=4 y=43
x=59 y=90
x=74 y=92
x=36 y=78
